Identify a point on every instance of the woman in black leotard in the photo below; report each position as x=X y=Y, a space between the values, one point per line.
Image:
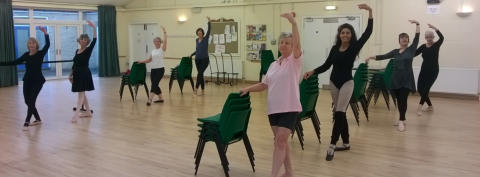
x=342 y=55
x=33 y=79
x=81 y=76
x=429 y=71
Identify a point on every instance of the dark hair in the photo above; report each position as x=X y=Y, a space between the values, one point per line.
x=403 y=35
x=353 y=40
x=200 y=29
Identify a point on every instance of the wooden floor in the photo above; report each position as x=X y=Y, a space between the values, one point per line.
x=130 y=139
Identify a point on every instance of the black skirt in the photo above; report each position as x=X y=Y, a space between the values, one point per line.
x=82 y=80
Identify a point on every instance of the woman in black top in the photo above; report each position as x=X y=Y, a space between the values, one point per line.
x=402 y=82
x=342 y=55
x=33 y=79
x=81 y=77
x=429 y=71
x=201 y=56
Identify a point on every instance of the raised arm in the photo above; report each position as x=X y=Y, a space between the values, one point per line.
x=207 y=35
x=417 y=34
x=368 y=31
x=164 y=47
x=297 y=48
x=47 y=41
x=90 y=23
x=440 y=35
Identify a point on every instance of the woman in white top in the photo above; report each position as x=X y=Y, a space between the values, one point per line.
x=158 y=67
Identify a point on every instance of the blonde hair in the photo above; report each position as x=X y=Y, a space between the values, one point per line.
x=429 y=33
x=34 y=41
x=158 y=38
x=84 y=36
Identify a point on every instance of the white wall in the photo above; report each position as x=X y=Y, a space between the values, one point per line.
x=457 y=54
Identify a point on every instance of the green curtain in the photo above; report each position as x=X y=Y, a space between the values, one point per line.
x=108 y=58
x=8 y=74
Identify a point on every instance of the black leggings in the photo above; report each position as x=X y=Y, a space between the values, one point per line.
x=426 y=79
x=340 y=128
x=155 y=76
x=30 y=94
x=201 y=65
x=402 y=97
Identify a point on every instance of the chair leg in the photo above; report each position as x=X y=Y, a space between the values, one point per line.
x=191 y=83
x=363 y=102
x=146 y=90
x=248 y=148
x=180 y=84
x=136 y=91
x=352 y=105
x=122 y=85
x=316 y=126
x=300 y=139
x=223 y=157
x=170 y=83
x=199 y=155
x=386 y=98
x=131 y=91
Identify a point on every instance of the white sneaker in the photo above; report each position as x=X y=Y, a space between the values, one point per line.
x=401 y=126
x=419 y=110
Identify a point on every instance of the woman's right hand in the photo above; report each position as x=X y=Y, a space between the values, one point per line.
x=308 y=74
x=243 y=91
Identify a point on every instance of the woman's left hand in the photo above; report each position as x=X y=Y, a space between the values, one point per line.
x=289 y=16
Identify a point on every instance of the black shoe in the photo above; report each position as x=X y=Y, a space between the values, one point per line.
x=329 y=157
x=342 y=148
x=159 y=101
x=148 y=103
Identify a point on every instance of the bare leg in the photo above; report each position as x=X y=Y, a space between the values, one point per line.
x=280 y=150
x=88 y=112
x=81 y=96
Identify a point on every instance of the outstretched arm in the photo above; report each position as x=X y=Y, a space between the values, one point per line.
x=297 y=48
x=368 y=31
x=207 y=35
x=440 y=35
x=253 y=88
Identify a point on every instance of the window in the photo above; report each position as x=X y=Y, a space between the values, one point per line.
x=20 y=14
x=55 y=15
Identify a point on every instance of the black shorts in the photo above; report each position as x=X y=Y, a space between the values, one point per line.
x=284 y=119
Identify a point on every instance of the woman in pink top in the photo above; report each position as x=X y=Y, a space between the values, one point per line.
x=281 y=81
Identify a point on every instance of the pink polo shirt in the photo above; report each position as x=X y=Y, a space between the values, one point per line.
x=283 y=85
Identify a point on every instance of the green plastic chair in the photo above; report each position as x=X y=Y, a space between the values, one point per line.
x=230 y=127
x=360 y=80
x=309 y=92
x=267 y=58
x=136 y=77
x=182 y=72
x=380 y=84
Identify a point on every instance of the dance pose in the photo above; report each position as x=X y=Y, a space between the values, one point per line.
x=281 y=82
x=158 y=67
x=429 y=71
x=201 y=57
x=402 y=82
x=342 y=56
x=33 y=79
x=80 y=76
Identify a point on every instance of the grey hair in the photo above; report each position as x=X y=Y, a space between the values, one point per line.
x=83 y=36
x=284 y=35
x=429 y=33
x=158 y=38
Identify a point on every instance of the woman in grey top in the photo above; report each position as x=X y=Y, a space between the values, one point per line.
x=402 y=81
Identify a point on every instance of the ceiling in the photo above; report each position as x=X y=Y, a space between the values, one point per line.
x=89 y=2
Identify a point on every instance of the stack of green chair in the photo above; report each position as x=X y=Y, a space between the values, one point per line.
x=360 y=80
x=308 y=98
x=380 y=83
x=225 y=128
x=267 y=58
x=180 y=73
x=135 y=78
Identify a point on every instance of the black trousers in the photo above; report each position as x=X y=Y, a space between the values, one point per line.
x=402 y=97
x=201 y=65
x=30 y=94
x=340 y=128
x=155 y=76
x=426 y=79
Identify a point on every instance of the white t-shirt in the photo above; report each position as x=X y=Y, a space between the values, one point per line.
x=157 y=59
